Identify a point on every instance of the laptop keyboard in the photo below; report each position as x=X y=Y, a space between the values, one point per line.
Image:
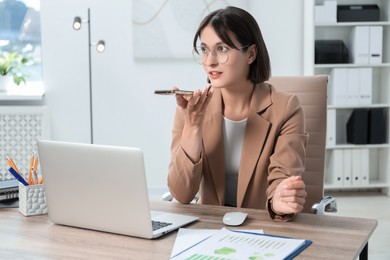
x=159 y=224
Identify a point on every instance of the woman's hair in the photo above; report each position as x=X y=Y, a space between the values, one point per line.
x=243 y=26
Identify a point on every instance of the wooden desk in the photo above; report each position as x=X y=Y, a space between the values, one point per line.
x=37 y=238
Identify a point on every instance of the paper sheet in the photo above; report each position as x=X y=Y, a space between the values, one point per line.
x=227 y=244
x=188 y=237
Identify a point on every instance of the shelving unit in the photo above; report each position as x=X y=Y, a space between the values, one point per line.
x=377 y=171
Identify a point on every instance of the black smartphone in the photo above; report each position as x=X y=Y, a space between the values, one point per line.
x=173 y=92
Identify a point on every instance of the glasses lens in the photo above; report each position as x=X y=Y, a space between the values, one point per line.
x=222 y=57
x=198 y=55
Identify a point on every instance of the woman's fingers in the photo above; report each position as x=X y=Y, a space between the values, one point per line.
x=198 y=99
x=290 y=195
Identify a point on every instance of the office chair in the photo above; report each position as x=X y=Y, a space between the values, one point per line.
x=312 y=94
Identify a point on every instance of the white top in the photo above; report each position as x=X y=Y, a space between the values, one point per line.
x=233 y=139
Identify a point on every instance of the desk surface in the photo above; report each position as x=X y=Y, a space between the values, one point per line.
x=36 y=237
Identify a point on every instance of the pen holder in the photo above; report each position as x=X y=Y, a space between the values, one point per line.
x=32 y=200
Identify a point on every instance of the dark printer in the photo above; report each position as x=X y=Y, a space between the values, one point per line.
x=357 y=13
x=330 y=52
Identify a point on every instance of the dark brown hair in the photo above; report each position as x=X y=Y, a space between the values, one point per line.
x=244 y=27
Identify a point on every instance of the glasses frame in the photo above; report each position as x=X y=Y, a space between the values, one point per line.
x=195 y=54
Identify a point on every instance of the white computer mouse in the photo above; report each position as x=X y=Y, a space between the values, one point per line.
x=234 y=218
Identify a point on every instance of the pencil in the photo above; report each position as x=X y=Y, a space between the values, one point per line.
x=35 y=175
x=11 y=163
x=30 y=177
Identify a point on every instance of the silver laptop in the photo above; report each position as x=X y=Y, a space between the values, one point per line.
x=101 y=188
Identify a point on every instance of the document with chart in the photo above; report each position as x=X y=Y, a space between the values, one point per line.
x=228 y=244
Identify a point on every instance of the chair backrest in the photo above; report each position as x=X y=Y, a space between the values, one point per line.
x=312 y=94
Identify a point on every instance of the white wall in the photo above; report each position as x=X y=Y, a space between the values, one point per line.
x=281 y=23
x=125 y=111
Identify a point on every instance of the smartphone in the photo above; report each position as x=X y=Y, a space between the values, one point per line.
x=173 y=92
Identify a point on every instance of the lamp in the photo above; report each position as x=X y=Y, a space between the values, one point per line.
x=100 y=47
x=77 y=23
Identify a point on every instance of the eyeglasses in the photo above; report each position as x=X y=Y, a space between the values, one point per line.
x=220 y=52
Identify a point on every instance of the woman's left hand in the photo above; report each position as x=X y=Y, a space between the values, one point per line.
x=289 y=196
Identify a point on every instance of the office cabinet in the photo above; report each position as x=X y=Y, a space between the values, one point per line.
x=356 y=88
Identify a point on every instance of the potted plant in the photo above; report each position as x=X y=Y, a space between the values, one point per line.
x=11 y=65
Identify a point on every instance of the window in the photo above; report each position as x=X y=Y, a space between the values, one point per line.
x=20 y=31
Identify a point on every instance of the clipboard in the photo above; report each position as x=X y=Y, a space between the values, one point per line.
x=293 y=254
x=225 y=243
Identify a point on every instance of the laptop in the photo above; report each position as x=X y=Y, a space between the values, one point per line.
x=102 y=188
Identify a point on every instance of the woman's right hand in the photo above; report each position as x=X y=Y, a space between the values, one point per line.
x=194 y=109
x=195 y=105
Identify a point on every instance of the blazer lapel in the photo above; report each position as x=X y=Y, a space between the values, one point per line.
x=214 y=145
x=256 y=133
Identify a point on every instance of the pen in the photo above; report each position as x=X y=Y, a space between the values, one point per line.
x=17 y=176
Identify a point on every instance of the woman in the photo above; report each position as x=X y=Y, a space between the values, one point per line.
x=238 y=142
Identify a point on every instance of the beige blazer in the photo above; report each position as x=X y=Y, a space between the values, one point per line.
x=274 y=149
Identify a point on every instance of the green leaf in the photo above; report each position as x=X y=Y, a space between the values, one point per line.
x=13 y=64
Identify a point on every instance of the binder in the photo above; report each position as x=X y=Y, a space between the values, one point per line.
x=356 y=167
x=331 y=128
x=335 y=167
x=375 y=37
x=327 y=12
x=347 y=174
x=364 y=166
x=377 y=126
x=338 y=87
x=359 y=45
x=365 y=86
x=353 y=86
x=357 y=130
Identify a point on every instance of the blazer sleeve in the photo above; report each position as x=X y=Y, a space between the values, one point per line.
x=184 y=176
x=288 y=158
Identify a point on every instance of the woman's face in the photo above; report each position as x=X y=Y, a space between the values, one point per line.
x=231 y=73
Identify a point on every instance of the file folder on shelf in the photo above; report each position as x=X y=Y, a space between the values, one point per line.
x=377 y=126
x=337 y=92
x=365 y=86
x=353 y=86
x=347 y=166
x=360 y=45
x=357 y=131
x=335 y=168
x=364 y=166
x=356 y=167
x=326 y=13
x=331 y=128
x=375 y=37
